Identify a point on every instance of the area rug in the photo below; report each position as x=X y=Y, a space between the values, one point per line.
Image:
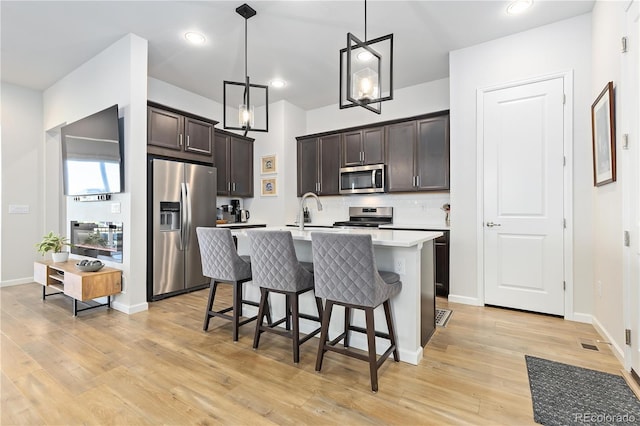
x=442 y=317
x=566 y=395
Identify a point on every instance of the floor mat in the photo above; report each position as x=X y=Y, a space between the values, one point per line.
x=565 y=394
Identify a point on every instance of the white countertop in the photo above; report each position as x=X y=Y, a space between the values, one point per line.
x=380 y=237
x=440 y=226
x=240 y=225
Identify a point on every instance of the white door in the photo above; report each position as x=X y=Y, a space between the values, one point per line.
x=629 y=96
x=523 y=196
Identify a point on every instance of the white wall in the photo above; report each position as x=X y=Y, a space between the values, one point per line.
x=22 y=162
x=116 y=75
x=412 y=208
x=608 y=23
x=559 y=47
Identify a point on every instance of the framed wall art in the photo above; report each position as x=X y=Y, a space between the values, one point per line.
x=268 y=164
x=603 y=131
x=268 y=187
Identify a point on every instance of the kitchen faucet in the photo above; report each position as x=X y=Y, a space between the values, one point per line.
x=301 y=213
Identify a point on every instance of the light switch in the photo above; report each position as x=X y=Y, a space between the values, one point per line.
x=18 y=209
x=115 y=207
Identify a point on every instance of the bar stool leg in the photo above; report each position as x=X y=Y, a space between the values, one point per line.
x=264 y=302
x=371 y=340
x=392 y=331
x=287 y=312
x=319 y=306
x=324 y=332
x=295 y=317
x=237 y=308
x=347 y=324
x=212 y=295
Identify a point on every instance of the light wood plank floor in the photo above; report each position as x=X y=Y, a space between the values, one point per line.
x=159 y=367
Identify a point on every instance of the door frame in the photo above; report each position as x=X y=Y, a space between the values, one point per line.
x=567 y=77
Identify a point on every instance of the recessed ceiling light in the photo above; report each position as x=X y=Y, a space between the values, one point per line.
x=518 y=6
x=195 y=38
x=278 y=83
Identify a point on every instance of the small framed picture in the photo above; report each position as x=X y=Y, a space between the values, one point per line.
x=603 y=130
x=268 y=164
x=268 y=187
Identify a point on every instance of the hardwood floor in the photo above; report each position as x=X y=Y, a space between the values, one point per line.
x=159 y=367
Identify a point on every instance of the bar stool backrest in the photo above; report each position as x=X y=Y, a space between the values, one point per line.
x=220 y=259
x=345 y=269
x=274 y=262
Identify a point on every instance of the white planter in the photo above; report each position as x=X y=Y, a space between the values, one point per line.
x=60 y=257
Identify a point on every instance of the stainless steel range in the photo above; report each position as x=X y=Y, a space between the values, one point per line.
x=371 y=217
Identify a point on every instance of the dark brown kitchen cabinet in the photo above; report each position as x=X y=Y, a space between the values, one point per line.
x=319 y=165
x=363 y=147
x=441 y=245
x=176 y=134
x=233 y=157
x=418 y=155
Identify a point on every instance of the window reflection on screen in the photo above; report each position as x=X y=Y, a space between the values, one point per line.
x=92 y=177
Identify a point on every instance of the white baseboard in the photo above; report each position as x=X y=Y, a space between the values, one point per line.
x=130 y=310
x=465 y=300
x=580 y=317
x=19 y=281
x=617 y=350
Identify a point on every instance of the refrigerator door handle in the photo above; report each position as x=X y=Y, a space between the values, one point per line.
x=183 y=214
x=187 y=231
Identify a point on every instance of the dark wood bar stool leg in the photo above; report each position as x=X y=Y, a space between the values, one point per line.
x=371 y=341
x=287 y=312
x=295 y=318
x=324 y=334
x=264 y=304
x=237 y=308
x=212 y=295
x=392 y=331
x=347 y=325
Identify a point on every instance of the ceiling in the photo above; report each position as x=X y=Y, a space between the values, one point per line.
x=298 y=41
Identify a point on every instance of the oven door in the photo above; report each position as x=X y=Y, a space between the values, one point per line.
x=362 y=179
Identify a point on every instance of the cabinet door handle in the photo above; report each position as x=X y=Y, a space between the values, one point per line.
x=234 y=186
x=188 y=140
x=418 y=181
x=491 y=224
x=228 y=186
x=180 y=140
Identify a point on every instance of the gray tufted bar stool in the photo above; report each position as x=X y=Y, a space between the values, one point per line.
x=221 y=263
x=276 y=270
x=346 y=275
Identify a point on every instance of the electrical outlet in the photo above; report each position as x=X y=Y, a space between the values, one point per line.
x=399 y=266
x=115 y=207
x=599 y=288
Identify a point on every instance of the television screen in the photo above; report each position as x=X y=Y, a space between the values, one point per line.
x=92 y=154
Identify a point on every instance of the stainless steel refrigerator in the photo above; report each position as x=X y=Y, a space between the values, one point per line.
x=182 y=197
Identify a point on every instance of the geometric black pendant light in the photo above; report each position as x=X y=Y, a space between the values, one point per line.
x=246 y=105
x=366 y=71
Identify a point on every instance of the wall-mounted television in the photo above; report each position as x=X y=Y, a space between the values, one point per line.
x=92 y=154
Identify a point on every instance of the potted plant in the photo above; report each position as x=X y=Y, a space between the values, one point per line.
x=54 y=243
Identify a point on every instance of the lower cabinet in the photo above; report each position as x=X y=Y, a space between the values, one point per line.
x=442 y=264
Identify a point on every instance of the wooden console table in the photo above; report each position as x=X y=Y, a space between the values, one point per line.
x=79 y=285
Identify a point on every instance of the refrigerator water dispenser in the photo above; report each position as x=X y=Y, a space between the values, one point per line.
x=169 y=216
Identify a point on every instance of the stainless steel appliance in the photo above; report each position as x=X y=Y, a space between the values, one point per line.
x=362 y=179
x=182 y=197
x=244 y=215
x=371 y=217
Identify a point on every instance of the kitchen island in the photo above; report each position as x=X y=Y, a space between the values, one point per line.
x=408 y=253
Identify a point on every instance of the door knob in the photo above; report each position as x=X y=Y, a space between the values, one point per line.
x=491 y=224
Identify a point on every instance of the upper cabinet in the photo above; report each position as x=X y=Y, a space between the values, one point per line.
x=176 y=134
x=233 y=157
x=319 y=164
x=415 y=151
x=418 y=155
x=363 y=147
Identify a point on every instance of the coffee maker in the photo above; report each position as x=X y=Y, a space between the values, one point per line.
x=235 y=210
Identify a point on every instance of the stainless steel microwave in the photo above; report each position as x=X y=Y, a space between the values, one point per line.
x=362 y=179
